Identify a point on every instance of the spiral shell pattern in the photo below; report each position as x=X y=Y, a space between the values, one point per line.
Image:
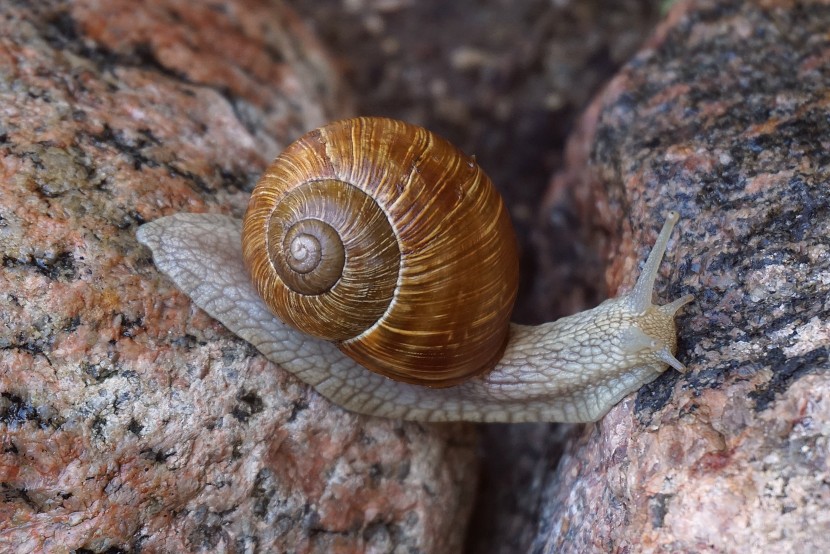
x=385 y=238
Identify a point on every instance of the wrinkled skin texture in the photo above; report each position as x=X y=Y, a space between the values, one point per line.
x=572 y=370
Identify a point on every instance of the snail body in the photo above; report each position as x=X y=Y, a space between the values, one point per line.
x=434 y=330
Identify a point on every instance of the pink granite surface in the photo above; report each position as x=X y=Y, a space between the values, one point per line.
x=129 y=420
x=725 y=117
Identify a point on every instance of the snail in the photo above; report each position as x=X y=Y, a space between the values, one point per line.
x=378 y=264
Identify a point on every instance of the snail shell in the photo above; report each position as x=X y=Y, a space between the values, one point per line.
x=386 y=239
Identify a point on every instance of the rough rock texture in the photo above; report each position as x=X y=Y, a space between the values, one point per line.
x=725 y=117
x=130 y=421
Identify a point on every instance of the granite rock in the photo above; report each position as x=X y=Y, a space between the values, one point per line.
x=725 y=117
x=129 y=420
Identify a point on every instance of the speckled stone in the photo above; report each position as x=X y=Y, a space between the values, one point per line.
x=129 y=420
x=725 y=116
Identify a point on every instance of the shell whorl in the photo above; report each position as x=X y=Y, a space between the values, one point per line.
x=386 y=239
